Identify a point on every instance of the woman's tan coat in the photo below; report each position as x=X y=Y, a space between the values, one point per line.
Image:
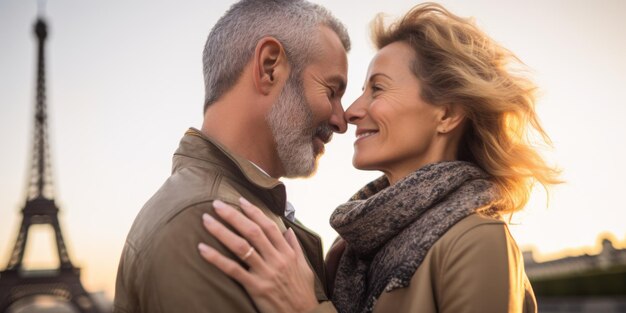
x=475 y=267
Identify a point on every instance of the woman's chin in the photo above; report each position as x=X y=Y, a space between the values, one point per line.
x=364 y=165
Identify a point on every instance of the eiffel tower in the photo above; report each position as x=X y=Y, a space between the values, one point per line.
x=17 y=283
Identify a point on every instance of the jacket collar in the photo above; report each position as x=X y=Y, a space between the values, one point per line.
x=201 y=150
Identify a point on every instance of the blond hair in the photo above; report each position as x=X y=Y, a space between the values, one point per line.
x=458 y=64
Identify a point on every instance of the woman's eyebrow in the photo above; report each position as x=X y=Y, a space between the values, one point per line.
x=374 y=76
x=379 y=74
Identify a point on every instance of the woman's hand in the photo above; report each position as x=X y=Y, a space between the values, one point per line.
x=279 y=278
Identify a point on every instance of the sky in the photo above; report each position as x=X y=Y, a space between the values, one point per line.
x=124 y=82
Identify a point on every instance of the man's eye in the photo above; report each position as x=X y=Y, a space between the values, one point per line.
x=332 y=93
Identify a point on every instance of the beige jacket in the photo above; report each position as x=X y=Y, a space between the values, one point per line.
x=161 y=269
x=475 y=267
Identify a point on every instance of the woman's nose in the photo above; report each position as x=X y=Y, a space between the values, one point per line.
x=356 y=111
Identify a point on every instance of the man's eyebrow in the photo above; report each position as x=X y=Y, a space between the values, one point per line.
x=338 y=80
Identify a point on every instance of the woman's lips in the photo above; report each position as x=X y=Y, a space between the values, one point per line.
x=364 y=134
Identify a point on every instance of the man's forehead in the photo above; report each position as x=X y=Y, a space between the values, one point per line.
x=325 y=32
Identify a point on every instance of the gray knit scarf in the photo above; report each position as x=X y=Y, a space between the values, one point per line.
x=389 y=229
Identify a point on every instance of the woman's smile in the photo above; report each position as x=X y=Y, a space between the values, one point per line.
x=363 y=134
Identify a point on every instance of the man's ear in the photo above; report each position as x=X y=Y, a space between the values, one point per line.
x=452 y=117
x=269 y=64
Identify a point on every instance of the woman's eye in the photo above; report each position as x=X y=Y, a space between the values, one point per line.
x=376 y=88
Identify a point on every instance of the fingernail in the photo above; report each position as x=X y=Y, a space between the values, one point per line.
x=203 y=248
x=289 y=232
x=219 y=205
x=207 y=218
x=243 y=201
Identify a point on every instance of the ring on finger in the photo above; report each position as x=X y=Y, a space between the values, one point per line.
x=248 y=254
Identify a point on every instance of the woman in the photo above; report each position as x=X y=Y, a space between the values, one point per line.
x=446 y=119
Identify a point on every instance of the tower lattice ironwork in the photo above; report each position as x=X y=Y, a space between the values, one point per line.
x=16 y=282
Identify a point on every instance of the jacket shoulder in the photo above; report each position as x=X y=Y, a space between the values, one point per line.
x=474 y=224
x=160 y=255
x=475 y=266
x=186 y=188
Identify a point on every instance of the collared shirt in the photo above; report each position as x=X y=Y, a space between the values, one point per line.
x=290 y=211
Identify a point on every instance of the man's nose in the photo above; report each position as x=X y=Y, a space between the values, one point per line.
x=337 y=121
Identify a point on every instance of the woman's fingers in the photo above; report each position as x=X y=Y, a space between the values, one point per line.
x=268 y=226
x=239 y=246
x=226 y=265
x=283 y=280
x=247 y=228
x=290 y=236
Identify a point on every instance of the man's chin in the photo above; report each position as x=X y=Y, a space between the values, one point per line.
x=306 y=172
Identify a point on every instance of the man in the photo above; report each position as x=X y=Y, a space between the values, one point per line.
x=275 y=72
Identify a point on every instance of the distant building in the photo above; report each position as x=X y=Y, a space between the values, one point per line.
x=608 y=257
x=584 y=283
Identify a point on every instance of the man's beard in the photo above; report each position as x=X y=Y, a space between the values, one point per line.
x=291 y=122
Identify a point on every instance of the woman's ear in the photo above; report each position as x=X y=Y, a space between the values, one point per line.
x=269 y=65
x=451 y=118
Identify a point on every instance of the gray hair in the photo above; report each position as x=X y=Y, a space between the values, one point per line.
x=232 y=41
